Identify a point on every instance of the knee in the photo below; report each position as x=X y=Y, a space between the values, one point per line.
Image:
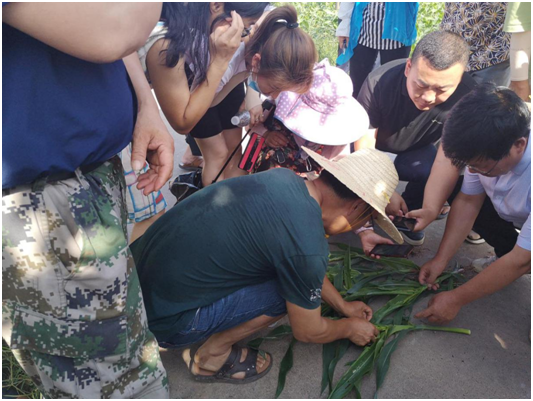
x=216 y=156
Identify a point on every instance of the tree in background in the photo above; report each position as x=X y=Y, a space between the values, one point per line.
x=319 y=19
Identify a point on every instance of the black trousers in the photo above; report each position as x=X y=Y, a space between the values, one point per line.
x=414 y=166
x=498 y=233
x=363 y=60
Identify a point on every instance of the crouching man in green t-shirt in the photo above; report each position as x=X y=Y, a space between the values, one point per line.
x=239 y=255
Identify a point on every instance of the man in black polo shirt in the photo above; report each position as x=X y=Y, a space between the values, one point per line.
x=407 y=102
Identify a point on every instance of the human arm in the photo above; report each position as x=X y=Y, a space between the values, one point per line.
x=396 y=206
x=444 y=307
x=465 y=209
x=94 y=32
x=256 y=115
x=345 y=16
x=520 y=55
x=182 y=107
x=369 y=239
x=367 y=141
x=301 y=283
x=368 y=100
x=275 y=139
x=309 y=326
x=151 y=140
x=349 y=309
x=440 y=184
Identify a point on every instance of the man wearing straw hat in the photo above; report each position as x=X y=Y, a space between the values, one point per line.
x=240 y=254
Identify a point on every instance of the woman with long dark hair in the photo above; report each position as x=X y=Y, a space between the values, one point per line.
x=197 y=63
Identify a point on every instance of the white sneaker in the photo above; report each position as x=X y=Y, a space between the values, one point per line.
x=474 y=238
x=481 y=263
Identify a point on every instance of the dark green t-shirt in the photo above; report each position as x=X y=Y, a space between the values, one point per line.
x=234 y=234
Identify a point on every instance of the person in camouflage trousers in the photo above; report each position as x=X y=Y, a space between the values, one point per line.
x=72 y=305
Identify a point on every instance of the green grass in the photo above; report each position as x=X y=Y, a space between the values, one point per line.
x=319 y=19
x=14 y=378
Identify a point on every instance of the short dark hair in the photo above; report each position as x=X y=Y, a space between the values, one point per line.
x=341 y=190
x=442 y=49
x=485 y=124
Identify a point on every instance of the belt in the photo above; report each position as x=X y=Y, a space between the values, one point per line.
x=72 y=174
x=54 y=177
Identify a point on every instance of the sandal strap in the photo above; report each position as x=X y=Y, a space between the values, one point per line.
x=235 y=355
x=192 y=353
x=248 y=366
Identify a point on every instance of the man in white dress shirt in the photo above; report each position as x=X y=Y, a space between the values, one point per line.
x=487 y=132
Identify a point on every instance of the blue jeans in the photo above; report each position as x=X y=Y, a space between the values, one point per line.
x=231 y=311
x=414 y=166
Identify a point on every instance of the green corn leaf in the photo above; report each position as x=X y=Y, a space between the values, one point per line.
x=331 y=354
x=402 y=315
x=343 y=347
x=396 y=303
x=348 y=270
x=363 y=281
x=329 y=351
x=337 y=281
x=383 y=362
x=357 y=369
x=451 y=283
x=284 y=368
x=456 y=330
x=363 y=365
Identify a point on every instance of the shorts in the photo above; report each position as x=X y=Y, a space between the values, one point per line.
x=218 y=118
x=140 y=206
x=231 y=311
x=72 y=306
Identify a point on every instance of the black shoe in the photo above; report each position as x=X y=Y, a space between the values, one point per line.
x=411 y=237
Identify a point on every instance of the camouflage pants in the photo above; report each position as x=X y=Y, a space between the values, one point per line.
x=72 y=306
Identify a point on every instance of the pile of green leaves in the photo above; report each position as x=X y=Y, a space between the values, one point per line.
x=358 y=277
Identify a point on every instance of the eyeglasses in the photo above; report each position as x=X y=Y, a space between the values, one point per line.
x=476 y=170
x=246 y=32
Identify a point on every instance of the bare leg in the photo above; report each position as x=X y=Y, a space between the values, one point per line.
x=232 y=138
x=141 y=227
x=213 y=353
x=215 y=154
x=189 y=159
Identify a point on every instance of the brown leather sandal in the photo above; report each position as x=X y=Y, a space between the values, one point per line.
x=233 y=366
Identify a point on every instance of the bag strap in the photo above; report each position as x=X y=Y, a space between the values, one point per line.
x=230 y=157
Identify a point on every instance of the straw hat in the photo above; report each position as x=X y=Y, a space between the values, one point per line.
x=371 y=175
x=327 y=114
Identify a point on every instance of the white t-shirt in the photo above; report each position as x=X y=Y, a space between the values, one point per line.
x=510 y=194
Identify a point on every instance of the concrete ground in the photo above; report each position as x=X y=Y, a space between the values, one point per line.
x=493 y=362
